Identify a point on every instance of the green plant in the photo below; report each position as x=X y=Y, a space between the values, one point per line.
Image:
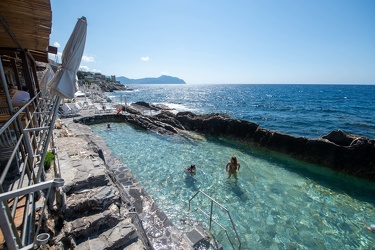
x=48 y=160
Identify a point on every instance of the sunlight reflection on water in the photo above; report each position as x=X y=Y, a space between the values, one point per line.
x=276 y=202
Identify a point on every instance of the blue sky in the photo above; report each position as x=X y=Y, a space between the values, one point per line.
x=214 y=41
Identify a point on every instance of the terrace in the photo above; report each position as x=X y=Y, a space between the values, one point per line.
x=25 y=128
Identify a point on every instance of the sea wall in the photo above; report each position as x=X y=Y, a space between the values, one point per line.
x=348 y=153
x=352 y=154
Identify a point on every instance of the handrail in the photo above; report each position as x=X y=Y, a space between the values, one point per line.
x=25 y=135
x=210 y=215
x=6 y=218
x=16 y=115
x=26 y=146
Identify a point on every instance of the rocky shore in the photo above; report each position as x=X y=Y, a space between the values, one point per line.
x=344 y=152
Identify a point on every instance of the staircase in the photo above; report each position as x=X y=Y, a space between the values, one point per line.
x=94 y=216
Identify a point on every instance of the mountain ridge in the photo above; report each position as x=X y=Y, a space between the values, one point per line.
x=164 y=79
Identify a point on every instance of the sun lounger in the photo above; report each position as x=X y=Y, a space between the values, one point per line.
x=86 y=104
x=65 y=111
x=99 y=108
x=109 y=108
x=74 y=108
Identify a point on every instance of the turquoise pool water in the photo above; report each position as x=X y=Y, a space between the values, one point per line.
x=276 y=202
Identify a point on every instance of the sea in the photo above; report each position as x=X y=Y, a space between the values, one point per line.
x=309 y=110
x=275 y=202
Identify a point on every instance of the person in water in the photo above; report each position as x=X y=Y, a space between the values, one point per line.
x=192 y=169
x=109 y=126
x=371 y=228
x=232 y=166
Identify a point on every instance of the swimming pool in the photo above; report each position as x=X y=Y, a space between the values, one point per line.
x=276 y=202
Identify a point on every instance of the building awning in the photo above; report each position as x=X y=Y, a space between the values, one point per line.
x=26 y=25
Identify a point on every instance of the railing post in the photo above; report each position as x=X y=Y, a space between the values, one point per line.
x=49 y=134
x=212 y=203
x=7 y=227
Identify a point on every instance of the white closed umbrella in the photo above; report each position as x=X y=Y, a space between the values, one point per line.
x=64 y=82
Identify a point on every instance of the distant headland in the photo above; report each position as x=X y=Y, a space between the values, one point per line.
x=151 y=80
x=113 y=83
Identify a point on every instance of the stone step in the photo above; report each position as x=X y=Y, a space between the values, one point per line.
x=118 y=237
x=84 y=175
x=90 y=201
x=92 y=224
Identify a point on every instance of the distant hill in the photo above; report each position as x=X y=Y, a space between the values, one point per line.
x=151 y=80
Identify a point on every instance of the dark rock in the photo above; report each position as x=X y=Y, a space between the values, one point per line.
x=261 y=136
x=286 y=144
x=339 y=137
x=101 y=155
x=320 y=151
x=169 y=118
x=338 y=150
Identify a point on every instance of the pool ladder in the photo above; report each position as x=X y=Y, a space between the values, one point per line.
x=213 y=220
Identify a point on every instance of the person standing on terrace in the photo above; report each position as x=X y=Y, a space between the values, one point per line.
x=21 y=96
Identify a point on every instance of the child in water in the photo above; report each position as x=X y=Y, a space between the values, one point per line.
x=191 y=169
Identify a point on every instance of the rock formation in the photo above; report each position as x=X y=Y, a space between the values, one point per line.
x=348 y=153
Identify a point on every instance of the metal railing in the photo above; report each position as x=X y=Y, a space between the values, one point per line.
x=213 y=220
x=13 y=240
x=24 y=141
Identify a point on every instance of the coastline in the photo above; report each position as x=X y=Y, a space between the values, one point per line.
x=343 y=152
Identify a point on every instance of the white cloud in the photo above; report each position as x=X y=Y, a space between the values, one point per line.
x=145 y=58
x=87 y=69
x=56 y=44
x=88 y=58
x=166 y=73
x=84 y=68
